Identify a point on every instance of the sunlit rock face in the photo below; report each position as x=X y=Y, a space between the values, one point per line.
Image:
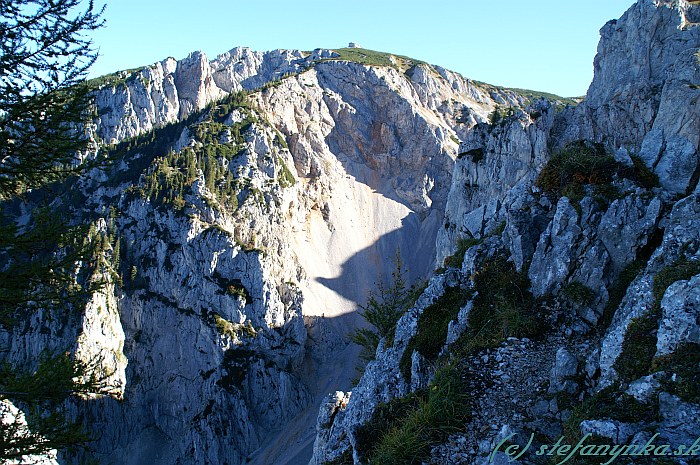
x=223 y=326
x=227 y=315
x=632 y=257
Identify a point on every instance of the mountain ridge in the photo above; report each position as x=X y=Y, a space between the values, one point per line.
x=254 y=202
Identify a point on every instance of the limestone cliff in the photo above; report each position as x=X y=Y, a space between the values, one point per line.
x=254 y=201
x=567 y=305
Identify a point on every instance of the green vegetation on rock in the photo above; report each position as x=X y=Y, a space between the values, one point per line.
x=166 y=176
x=683 y=372
x=116 y=79
x=234 y=330
x=402 y=431
x=463 y=244
x=582 y=163
x=374 y=58
x=639 y=345
x=382 y=311
x=611 y=404
x=503 y=307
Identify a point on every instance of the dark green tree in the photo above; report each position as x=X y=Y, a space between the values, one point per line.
x=383 y=309
x=44 y=103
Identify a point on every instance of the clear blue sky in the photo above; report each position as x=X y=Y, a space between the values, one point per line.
x=545 y=45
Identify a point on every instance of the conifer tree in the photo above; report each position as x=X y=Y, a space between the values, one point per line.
x=383 y=309
x=44 y=99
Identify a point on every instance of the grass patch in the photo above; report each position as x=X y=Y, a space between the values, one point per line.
x=116 y=79
x=374 y=58
x=403 y=431
x=608 y=404
x=683 y=367
x=681 y=269
x=463 y=244
x=532 y=95
x=434 y=321
x=639 y=347
x=503 y=307
x=579 y=293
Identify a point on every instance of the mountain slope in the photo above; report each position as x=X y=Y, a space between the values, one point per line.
x=568 y=305
x=254 y=201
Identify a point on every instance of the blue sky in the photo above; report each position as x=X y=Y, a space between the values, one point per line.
x=545 y=45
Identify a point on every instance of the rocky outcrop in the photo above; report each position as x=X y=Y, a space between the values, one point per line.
x=644 y=92
x=492 y=160
x=132 y=103
x=615 y=273
x=242 y=236
x=241 y=239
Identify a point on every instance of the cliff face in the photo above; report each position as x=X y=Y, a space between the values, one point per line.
x=607 y=267
x=131 y=103
x=241 y=230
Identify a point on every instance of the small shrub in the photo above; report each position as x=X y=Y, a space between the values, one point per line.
x=500 y=115
x=463 y=244
x=581 y=163
x=382 y=310
x=574 y=166
x=234 y=330
x=230 y=286
x=239 y=291
x=579 y=293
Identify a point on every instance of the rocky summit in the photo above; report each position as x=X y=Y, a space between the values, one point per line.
x=255 y=200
